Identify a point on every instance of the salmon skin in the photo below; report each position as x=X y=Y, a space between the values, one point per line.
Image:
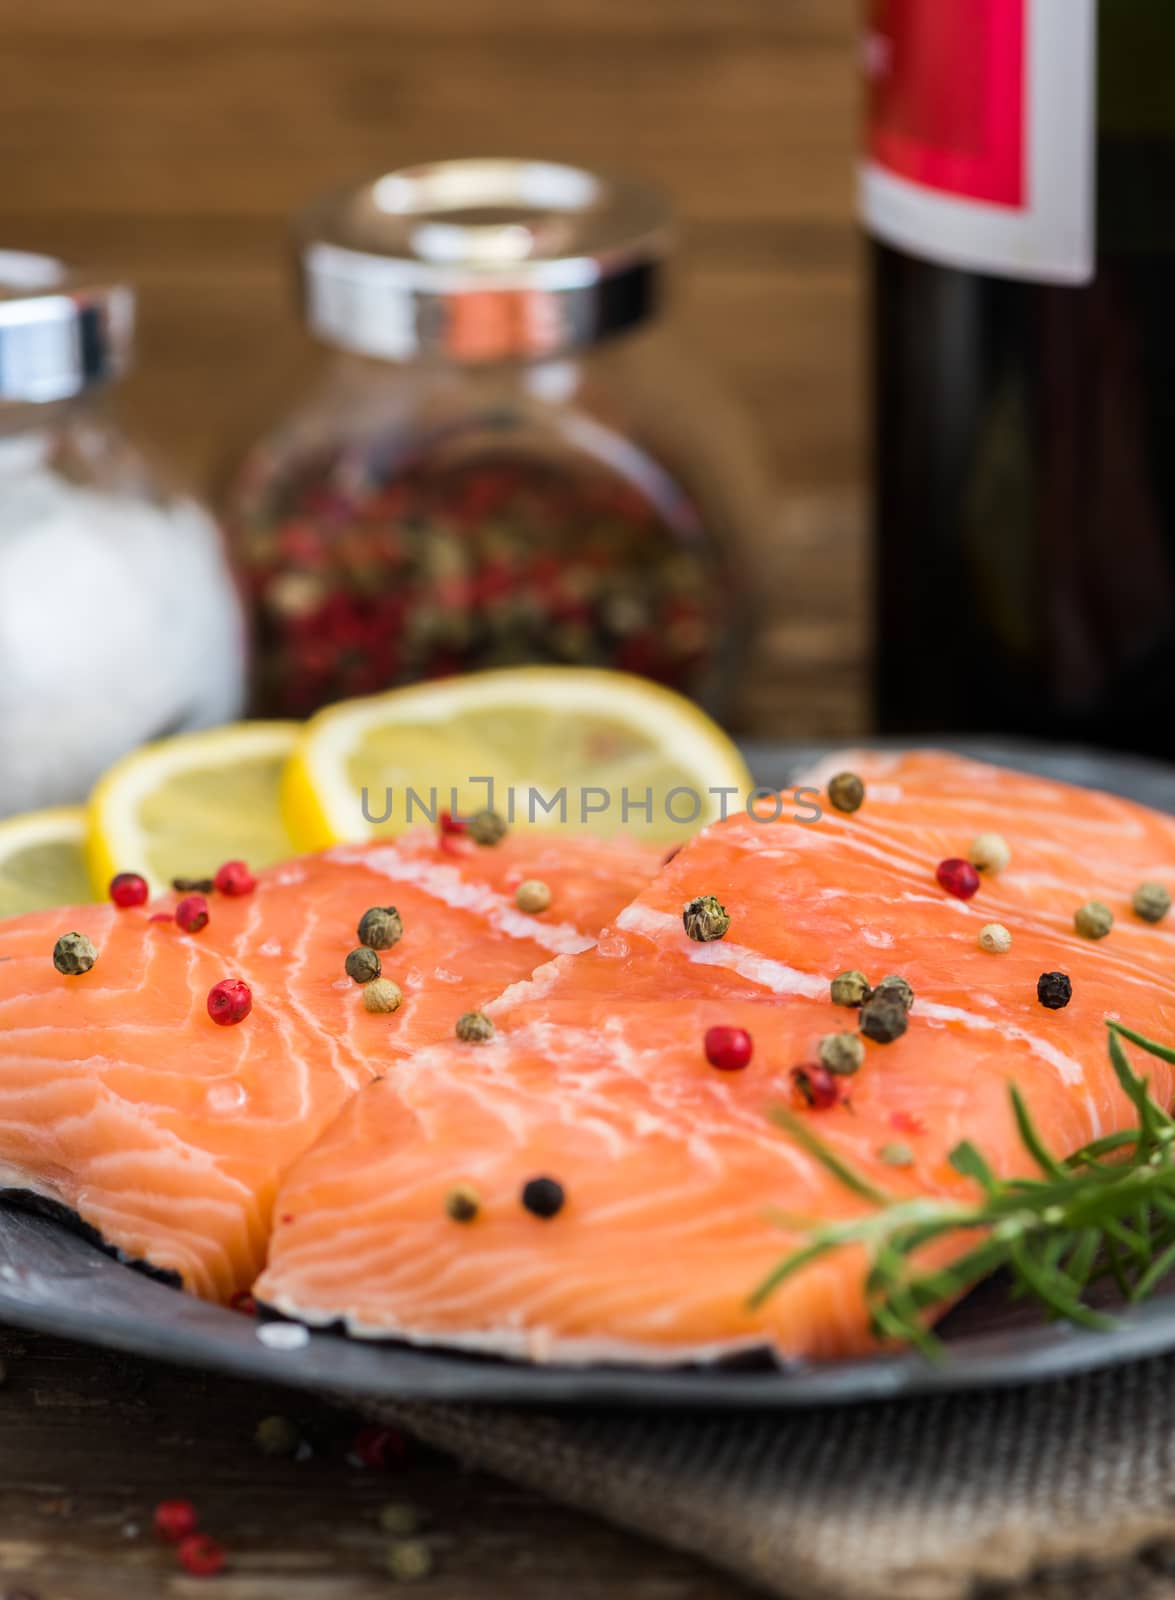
x=672 y=1174
x=165 y=1134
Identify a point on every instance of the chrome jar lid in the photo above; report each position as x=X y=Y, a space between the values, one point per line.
x=60 y=331
x=484 y=260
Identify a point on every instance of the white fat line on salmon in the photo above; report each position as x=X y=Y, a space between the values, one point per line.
x=749 y=964
x=1069 y=1070
x=446 y=884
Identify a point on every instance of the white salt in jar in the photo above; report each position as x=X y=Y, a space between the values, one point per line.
x=119 y=616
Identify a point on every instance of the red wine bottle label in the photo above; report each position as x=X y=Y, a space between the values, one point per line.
x=980 y=134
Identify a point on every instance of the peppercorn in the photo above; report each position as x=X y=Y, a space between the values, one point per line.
x=380 y=928
x=883 y=1018
x=816 y=1087
x=277 y=1436
x=74 y=954
x=543 y=1197
x=1093 y=920
x=896 y=1155
x=989 y=852
x=850 y=988
x=729 y=1049
x=128 y=889
x=487 y=827
x=229 y=1002
x=175 y=1519
x=381 y=995
x=193 y=885
x=1151 y=902
x=1054 y=990
x=409 y=1560
x=474 y=1027
x=842 y=1053
x=901 y=988
x=462 y=1202
x=200 y=1555
x=192 y=913
x=234 y=879
x=532 y=896
x=846 y=792
x=400 y=1518
x=705 y=919
x=995 y=939
x=363 y=965
x=957 y=877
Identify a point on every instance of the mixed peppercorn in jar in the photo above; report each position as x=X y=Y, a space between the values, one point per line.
x=505 y=462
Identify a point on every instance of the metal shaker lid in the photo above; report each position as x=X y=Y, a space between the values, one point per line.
x=61 y=331
x=482 y=260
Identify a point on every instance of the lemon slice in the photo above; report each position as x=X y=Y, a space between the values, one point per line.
x=181 y=807
x=42 y=861
x=626 y=755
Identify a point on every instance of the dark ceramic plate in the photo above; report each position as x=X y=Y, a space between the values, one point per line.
x=53 y=1281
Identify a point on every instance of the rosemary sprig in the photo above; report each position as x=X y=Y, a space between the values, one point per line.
x=1105 y=1212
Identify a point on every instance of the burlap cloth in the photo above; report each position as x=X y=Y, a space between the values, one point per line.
x=1061 y=1490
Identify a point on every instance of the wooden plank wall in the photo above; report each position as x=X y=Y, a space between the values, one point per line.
x=172 y=139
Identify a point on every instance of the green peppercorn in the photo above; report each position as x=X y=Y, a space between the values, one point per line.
x=846 y=792
x=363 y=965
x=842 y=1053
x=705 y=919
x=409 y=1560
x=462 y=1202
x=474 y=1027
x=533 y=896
x=883 y=1018
x=74 y=954
x=400 y=1518
x=486 y=827
x=1093 y=920
x=1151 y=902
x=896 y=1155
x=277 y=1436
x=380 y=928
x=850 y=988
x=381 y=995
x=899 y=987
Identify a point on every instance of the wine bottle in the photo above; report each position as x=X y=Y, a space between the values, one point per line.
x=1019 y=189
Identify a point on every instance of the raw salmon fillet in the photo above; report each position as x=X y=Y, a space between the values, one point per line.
x=597 y=1078
x=123 y=1102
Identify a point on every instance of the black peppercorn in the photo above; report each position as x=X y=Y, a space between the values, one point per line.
x=883 y=1018
x=1054 y=990
x=543 y=1197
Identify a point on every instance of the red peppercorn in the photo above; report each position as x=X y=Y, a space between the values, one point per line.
x=448 y=823
x=192 y=913
x=728 y=1049
x=229 y=1001
x=234 y=879
x=128 y=889
x=380 y=1448
x=175 y=1520
x=243 y=1302
x=815 y=1086
x=958 y=877
x=200 y=1555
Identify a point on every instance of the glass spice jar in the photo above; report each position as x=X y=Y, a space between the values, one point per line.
x=506 y=460
x=120 y=620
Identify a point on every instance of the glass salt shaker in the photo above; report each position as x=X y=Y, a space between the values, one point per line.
x=507 y=459
x=120 y=620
